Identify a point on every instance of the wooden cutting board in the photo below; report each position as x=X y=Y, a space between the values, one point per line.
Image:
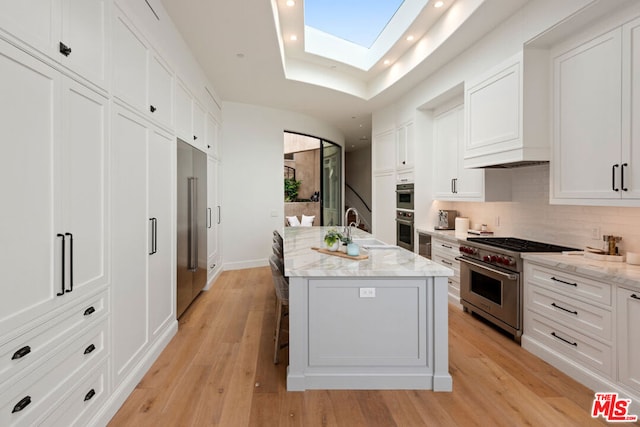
x=341 y=254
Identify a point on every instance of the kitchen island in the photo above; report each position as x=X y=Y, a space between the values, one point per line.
x=377 y=323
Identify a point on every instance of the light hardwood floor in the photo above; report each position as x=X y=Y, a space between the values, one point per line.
x=219 y=371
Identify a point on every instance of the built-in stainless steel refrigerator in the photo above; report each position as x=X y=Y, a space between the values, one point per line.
x=191 y=227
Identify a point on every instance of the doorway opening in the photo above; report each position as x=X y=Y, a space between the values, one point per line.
x=312 y=179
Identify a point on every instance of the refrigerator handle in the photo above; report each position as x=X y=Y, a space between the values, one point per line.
x=209 y=212
x=70 y=262
x=193 y=232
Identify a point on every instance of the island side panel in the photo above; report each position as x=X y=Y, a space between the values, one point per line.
x=442 y=380
x=298 y=333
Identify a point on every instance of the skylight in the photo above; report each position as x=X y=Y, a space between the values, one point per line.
x=358 y=21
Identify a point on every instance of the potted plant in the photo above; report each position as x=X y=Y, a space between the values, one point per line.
x=332 y=239
x=291 y=187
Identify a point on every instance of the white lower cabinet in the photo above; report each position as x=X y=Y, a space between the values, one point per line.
x=445 y=252
x=584 y=327
x=628 y=343
x=142 y=172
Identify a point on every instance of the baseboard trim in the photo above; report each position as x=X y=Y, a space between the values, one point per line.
x=240 y=265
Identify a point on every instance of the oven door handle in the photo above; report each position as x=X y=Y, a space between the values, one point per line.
x=493 y=270
x=405 y=191
x=405 y=222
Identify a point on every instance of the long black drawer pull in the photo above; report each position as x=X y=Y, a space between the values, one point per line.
x=562 y=281
x=22 y=404
x=89 y=311
x=613 y=177
x=63 y=264
x=21 y=353
x=622 y=177
x=445 y=246
x=446 y=262
x=575 y=344
x=565 y=309
x=70 y=262
x=89 y=395
x=89 y=349
x=634 y=296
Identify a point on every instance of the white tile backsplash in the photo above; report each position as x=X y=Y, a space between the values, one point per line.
x=529 y=215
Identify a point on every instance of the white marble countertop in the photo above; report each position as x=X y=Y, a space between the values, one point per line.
x=620 y=273
x=301 y=261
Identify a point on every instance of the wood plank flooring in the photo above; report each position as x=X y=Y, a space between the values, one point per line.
x=218 y=371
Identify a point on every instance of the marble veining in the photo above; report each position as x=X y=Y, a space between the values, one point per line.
x=620 y=273
x=301 y=261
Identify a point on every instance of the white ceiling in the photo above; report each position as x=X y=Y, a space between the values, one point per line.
x=242 y=48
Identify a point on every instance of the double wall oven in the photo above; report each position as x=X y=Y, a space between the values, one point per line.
x=491 y=278
x=405 y=199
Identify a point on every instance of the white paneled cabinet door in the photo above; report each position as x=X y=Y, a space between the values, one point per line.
x=84 y=31
x=199 y=139
x=30 y=271
x=628 y=344
x=213 y=135
x=160 y=91
x=83 y=170
x=129 y=64
x=213 y=216
x=183 y=113
x=384 y=207
x=445 y=153
x=405 y=146
x=384 y=152
x=587 y=111
x=32 y=21
x=129 y=240
x=161 y=231
x=631 y=114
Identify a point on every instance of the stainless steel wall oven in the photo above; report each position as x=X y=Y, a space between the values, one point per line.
x=405 y=230
x=405 y=196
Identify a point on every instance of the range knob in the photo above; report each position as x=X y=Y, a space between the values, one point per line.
x=486 y=258
x=494 y=258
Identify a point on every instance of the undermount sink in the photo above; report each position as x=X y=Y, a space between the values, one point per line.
x=371 y=243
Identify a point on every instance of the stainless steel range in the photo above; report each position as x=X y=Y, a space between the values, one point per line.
x=490 y=278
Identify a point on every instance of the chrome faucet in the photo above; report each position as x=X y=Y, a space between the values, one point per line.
x=347 y=226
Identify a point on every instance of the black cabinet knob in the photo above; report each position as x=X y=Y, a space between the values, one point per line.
x=64 y=49
x=21 y=353
x=152 y=108
x=24 y=402
x=89 y=395
x=89 y=311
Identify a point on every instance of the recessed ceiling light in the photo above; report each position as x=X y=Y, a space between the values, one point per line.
x=240 y=55
x=293 y=38
x=386 y=62
x=291 y=3
x=409 y=38
x=438 y=4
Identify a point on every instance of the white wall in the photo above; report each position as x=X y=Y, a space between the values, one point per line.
x=252 y=188
x=358 y=176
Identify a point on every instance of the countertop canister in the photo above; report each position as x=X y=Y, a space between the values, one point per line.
x=462 y=226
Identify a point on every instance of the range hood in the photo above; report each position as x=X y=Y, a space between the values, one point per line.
x=507 y=113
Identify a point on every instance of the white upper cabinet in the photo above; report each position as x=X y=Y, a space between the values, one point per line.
x=130 y=57
x=71 y=32
x=198 y=130
x=161 y=91
x=213 y=136
x=384 y=152
x=451 y=180
x=505 y=113
x=190 y=118
x=141 y=78
x=405 y=151
x=595 y=119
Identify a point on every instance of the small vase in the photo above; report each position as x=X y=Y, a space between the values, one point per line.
x=333 y=247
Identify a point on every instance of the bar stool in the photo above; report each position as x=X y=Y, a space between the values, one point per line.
x=281 y=287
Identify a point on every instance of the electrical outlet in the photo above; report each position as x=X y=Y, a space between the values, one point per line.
x=367 y=292
x=595 y=233
x=497 y=221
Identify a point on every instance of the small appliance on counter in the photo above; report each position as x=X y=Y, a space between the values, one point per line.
x=446 y=220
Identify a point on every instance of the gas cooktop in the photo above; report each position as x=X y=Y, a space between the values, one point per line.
x=518 y=245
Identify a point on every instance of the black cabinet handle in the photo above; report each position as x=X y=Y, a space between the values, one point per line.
x=195 y=137
x=209 y=212
x=613 y=177
x=452 y=189
x=89 y=395
x=63 y=265
x=70 y=262
x=575 y=344
x=22 y=404
x=446 y=262
x=152 y=108
x=562 y=281
x=562 y=308
x=21 y=353
x=446 y=246
x=64 y=49
x=622 y=177
x=89 y=349
x=634 y=296
x=154 y=235
x=89 y=311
